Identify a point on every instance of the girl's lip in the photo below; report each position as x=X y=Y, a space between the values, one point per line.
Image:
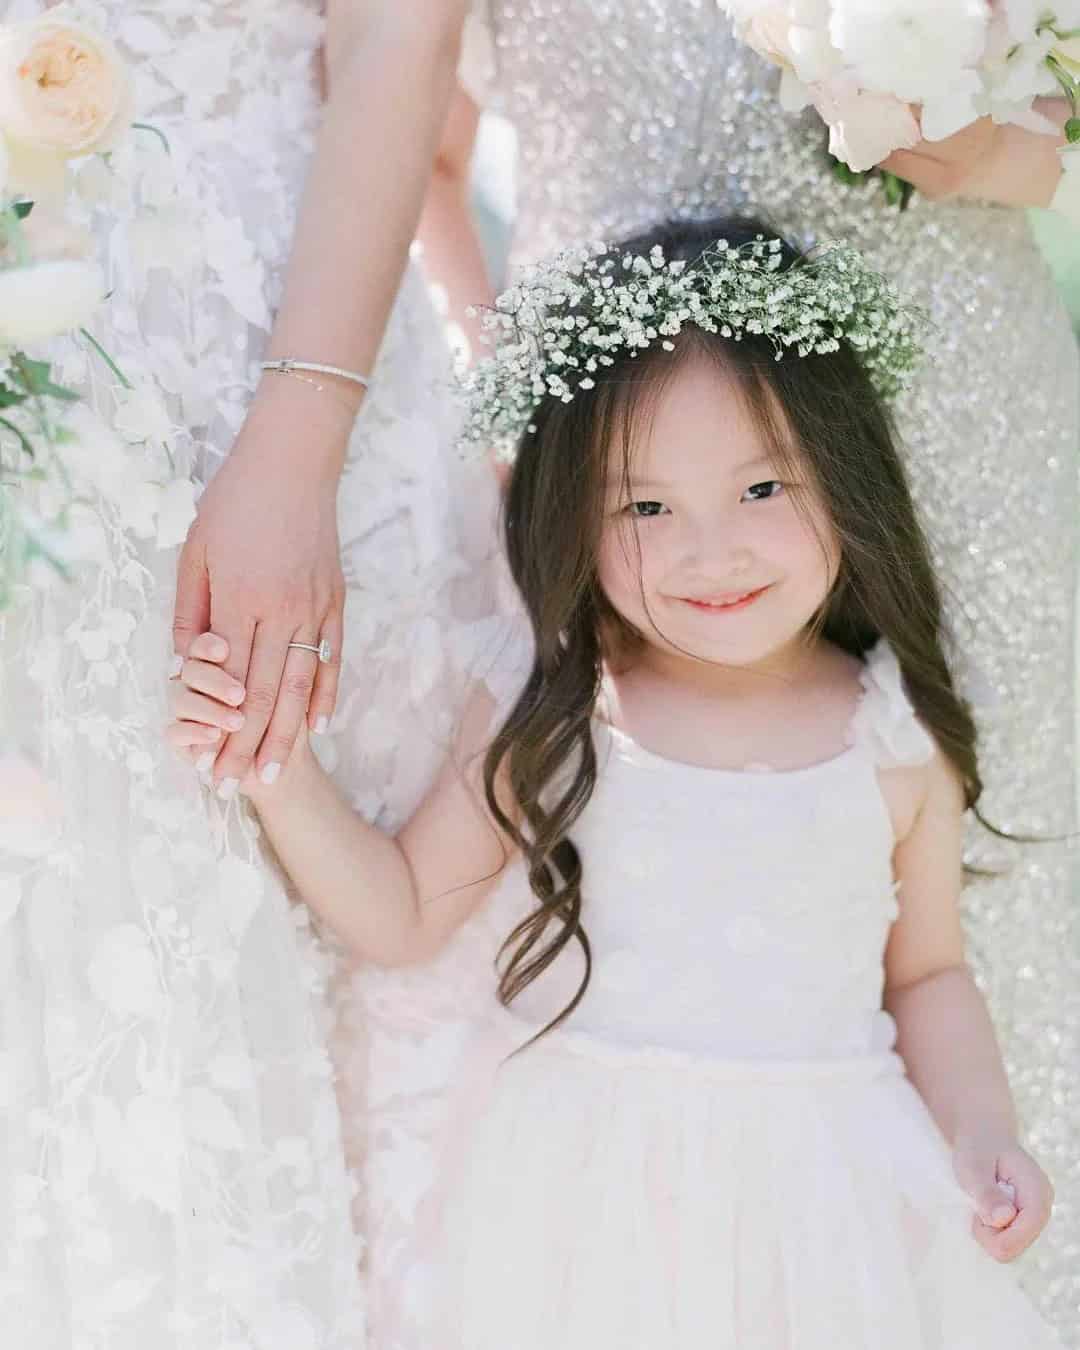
x=726 y=606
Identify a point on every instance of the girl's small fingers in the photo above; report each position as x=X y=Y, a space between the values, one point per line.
x=183 y=735
x=189 y=706
x=208 y=647
x=1006 y=1244
x=207 y=678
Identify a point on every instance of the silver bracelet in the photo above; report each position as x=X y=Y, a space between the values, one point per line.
x=286 y=365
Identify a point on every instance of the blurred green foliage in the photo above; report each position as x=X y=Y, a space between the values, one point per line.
x=1060 y=241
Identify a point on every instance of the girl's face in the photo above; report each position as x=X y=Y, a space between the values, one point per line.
x=713 y=550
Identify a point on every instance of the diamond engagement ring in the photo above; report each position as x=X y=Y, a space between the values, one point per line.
x=323 y=651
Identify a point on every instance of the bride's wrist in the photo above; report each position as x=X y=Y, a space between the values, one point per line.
x=290 y=422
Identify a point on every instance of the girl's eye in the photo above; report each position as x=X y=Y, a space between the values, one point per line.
x=645 y=509
x=761 y=492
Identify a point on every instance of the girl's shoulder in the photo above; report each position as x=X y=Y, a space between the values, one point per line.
x=884 y=722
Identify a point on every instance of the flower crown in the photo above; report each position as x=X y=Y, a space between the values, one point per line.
x=560 y=325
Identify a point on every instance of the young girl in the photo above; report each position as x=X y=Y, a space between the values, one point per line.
x=756 y=1100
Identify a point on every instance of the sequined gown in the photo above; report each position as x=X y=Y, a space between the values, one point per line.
x=628 y=111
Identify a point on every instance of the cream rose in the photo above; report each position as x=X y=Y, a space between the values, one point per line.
x=64 y=91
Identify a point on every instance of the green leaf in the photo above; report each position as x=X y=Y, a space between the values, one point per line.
x=1072 y=130
x=19 y=434
x=106 y=358
x=893 y=189
x=154 y=131
x=1065 y=79
x=34 y=377
x=10 y=398
x=846 y=174
x=22 y=209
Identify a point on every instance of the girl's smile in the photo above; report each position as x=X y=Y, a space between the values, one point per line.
x=724 y=603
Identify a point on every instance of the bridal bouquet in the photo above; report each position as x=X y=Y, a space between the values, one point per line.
x=65 y=95
x=884 y=74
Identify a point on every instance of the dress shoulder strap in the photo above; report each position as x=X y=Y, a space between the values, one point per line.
x=884 y=723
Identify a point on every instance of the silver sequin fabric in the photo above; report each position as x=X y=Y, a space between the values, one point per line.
x=632 y=111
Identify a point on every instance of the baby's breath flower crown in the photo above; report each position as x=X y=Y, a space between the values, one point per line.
x=562 y=323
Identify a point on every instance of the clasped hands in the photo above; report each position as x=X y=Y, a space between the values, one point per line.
x=261 y=568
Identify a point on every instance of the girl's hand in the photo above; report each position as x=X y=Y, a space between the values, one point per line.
x=205 y=702
x=1012 y=1194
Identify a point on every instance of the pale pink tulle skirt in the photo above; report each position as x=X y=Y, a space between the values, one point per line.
x=644 y=1200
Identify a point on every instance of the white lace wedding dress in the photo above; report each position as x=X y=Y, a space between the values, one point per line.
x=171 y=1163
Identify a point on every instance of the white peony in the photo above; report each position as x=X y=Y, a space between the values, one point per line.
x=864 y=127
x=913 y=49
x=1023 y=37
x=1023 y=17
x=44 y=299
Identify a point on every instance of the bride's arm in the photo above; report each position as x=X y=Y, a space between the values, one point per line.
x=989 y=162
x=391 y=68
x=261 y=564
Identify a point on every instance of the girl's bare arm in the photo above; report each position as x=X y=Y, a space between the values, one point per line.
x=945 y=1034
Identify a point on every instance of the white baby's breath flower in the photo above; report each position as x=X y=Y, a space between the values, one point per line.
x=569 y=315
x=44 y=299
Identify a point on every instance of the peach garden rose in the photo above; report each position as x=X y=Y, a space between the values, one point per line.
x=65 y=91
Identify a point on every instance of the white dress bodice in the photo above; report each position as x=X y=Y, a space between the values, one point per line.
x=736 y=914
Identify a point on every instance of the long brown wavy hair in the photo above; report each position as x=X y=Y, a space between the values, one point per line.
x=827 y=409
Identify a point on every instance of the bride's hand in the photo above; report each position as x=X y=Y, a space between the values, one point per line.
x=989 y=162
x=261 y=568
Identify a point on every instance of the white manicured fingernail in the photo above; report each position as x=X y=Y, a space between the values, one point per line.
x=321 y=725
x=205 y=762
x=269 y=773
x=176 y=665
x=227 y=788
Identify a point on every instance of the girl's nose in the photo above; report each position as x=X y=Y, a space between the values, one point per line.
x=717 y=551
